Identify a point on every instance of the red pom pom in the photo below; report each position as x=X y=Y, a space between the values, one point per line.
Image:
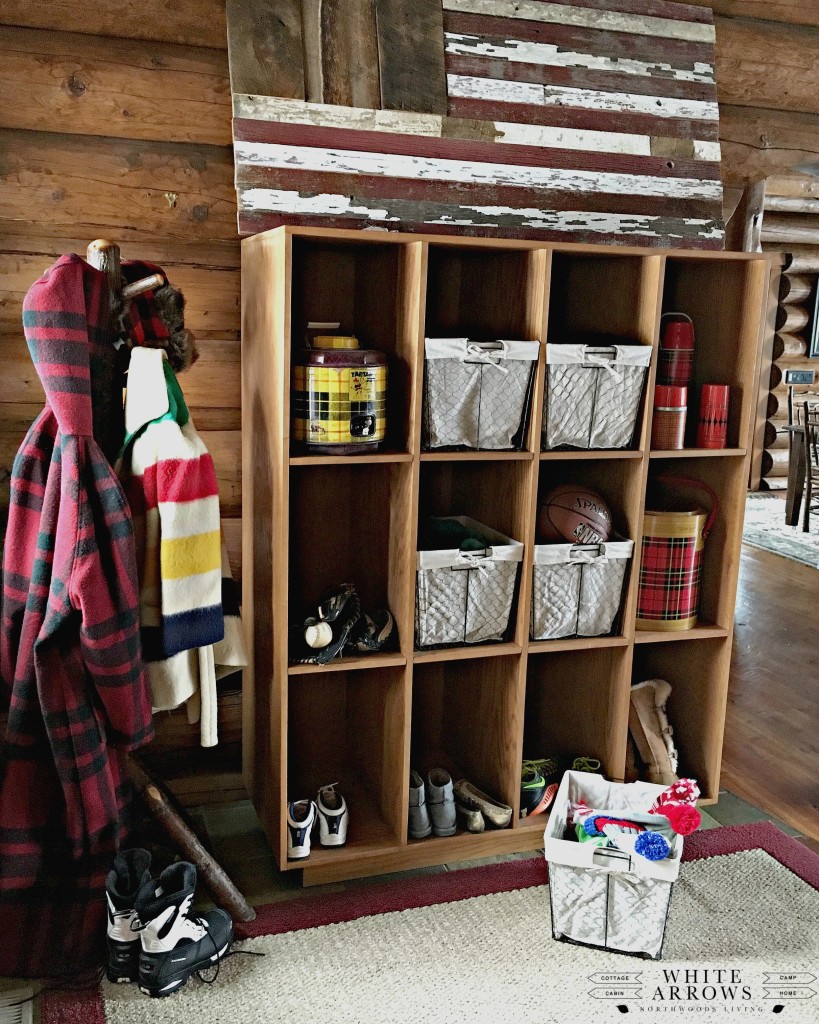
x=684 y=818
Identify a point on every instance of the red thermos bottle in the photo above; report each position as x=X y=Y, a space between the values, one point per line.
x=712 y=427
x=676 y=359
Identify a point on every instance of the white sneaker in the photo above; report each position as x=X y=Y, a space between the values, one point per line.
x=333 y=816
x=301 y=817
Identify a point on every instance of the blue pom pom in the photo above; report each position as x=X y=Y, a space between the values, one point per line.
x=652 y=846
x=590 y=826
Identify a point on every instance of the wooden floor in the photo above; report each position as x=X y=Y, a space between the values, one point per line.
x=771 y=752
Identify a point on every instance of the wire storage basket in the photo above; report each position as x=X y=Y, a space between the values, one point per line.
x=605 y=897
x=466 y=597
x=577 y=589
x=477 y=395
x=592 y=395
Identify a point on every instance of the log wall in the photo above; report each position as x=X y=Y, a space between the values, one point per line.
x=118 y=124
x=790 y=223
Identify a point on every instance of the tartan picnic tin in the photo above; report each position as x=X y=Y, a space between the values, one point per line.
x=675 y=365
x=668 y=594
x=339 y=397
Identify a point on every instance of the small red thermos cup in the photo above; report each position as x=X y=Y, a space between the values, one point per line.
x=668 y=422
x=712 y=428
x=676 y=358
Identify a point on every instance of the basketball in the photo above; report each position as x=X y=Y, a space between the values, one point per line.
x=574 y=514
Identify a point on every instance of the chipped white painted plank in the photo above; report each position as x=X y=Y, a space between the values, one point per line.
x=584 y=17
x=527 y=52
x=328 y=115
x=495 y=90
x=254 y=200
x=335 y=161
x=323 y=115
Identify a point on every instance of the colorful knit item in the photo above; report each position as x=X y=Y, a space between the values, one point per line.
x=652 y=846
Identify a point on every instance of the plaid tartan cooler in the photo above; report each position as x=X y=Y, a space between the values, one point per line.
x=668 y=595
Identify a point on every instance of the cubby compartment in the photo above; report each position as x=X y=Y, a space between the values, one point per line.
x=367 y=287
x=698 y=674
x=465 y=717
x=495 y=494
x=723 y=299
x=349 y=523
x=348 y=728
x=727 y=479
x=594 y=294
x=577 y=706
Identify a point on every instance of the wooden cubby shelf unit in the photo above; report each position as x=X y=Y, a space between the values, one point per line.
x=311 y=522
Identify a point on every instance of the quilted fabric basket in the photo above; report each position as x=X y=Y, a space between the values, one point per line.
x=604 y=897
x=592 y=395
x=577 y=588
x=477 y=394
x=466 y=597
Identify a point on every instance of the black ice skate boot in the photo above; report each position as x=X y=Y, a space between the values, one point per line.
x=130 y=871
x=176 y=942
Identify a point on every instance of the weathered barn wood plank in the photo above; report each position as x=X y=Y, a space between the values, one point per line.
x=411 y=55
x=478 y=163
x=265 y=47
x=579 y=78
x=137 y=189
x=567 y=45
x=212 y=296
x=759 y=143
x=763 y=64
x=349 y=53
x=251 y=178
x=88 y=85
x=457 y=143
x=191 y=22
x=603 y=19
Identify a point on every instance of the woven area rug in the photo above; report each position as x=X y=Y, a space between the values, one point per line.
x=476 y=945
x=765 y=528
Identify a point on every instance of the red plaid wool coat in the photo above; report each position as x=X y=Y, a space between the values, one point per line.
x=70 y=658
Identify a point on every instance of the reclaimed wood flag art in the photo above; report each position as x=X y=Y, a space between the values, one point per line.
x=567 y=120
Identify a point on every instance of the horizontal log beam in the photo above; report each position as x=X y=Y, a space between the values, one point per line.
x=790 y=346
x=796 y=287
x=760 y=142
x=800 y=229
x=766 y=64
x=796 y=12
x=790 y=320
x=790 y=204
x=193 y=22
x=69 y=184
x=212 y=296
x=88 y=85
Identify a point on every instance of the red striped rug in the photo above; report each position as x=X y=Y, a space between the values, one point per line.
x=318 y=909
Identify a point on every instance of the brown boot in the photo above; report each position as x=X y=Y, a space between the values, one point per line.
x=649 y=726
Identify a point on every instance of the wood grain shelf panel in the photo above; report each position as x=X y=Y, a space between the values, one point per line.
x=534 y=821
x=350 y=460
x=704 y=631
x=478 y=456
x=464 y=653
x=593 y=453
x=699 y=453
x=576 y=643
x=366 y=661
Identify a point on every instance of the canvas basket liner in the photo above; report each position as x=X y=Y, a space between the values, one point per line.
x=477 y=395
x=466 y=597
x=592 y=395
x=577 y=588
x=607 y=898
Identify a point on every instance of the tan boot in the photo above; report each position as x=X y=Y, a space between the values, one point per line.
x=652 y=733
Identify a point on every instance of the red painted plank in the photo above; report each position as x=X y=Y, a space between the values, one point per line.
x=681 y=54
x=647 y=8
x=248 y=130
x=584 y=118
x=425 y=190
x=252 y=223
x=579 y=78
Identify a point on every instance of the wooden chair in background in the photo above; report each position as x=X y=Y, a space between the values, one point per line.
x=810 y=440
